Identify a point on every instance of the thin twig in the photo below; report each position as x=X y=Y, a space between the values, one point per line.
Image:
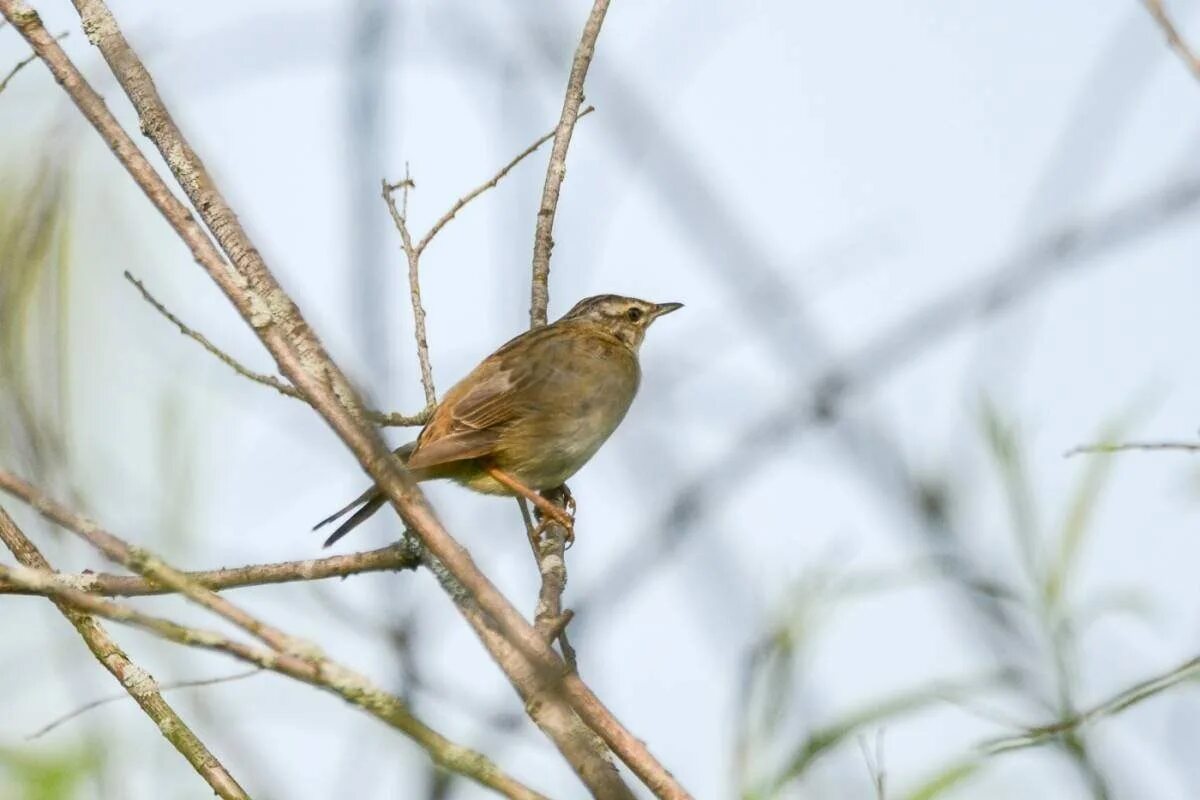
x=162 y=687
x=312 y=669
x=1174 y=38
x=414 y=283
x=23 y=63
x=556 y=170
x=491 y=183
x=531 y=531
x=1121 y=447
x=1143 y=690
x=393 y=558
x=549 y=553
x=276 y=383
x=552 y=566
x=136 y=681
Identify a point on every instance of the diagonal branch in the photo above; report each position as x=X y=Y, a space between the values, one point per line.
x=278 y=323
x=136 y=681
x=1174 y=38
x=556 y=171
x=579 y=744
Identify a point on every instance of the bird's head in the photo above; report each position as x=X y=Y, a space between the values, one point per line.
x=627 y=318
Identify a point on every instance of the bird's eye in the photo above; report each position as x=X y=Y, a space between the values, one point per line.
x=634 y=314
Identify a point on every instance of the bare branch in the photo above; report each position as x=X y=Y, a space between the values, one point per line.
x=1174 y=38
x=491 y=183
x=393 y=558
x=278 y=384
x=310 y=668
x=1121 y=447
x=543 y=236
x=414 y=283
x=136 y=681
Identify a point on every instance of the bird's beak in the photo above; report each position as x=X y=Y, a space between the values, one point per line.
x=665 y=308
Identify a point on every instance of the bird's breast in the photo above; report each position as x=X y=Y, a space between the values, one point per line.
x=583 y=402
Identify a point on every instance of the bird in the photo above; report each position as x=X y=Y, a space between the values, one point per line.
x=531 y=414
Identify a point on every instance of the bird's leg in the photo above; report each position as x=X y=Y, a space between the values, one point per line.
x=548 y=509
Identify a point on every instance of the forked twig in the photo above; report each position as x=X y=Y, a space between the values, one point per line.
x=414 y=283
x=489 y=184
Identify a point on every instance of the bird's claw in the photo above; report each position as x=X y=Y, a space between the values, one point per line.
x=568 y=500
x=550 y=512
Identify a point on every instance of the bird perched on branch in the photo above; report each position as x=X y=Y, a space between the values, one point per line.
x=533 y=412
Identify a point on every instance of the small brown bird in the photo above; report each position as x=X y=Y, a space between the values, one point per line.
x=532 y=413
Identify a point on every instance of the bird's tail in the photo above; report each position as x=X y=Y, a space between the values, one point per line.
x=366 y=504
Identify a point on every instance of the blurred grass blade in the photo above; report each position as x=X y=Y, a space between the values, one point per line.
x=1080 y=510
x=824 y=739
x=944 y=781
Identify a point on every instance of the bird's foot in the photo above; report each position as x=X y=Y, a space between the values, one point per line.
x=563 y=503
x=546 y=510
x=552 y=514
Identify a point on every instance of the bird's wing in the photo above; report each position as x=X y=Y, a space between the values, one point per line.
x=469 y=420
x=453 y=447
